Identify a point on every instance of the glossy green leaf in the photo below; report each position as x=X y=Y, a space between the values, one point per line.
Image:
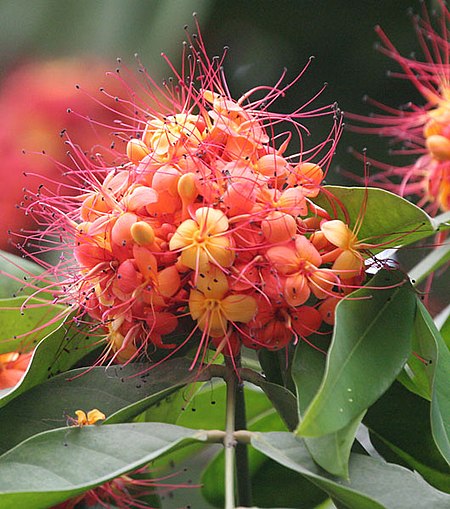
x=445 y=330
x=388 y=218
x=15 y=273
x=25 y=321
x=282 y=399
x=330 y=451
x=373 y=483
x=432 y=348
x=59 y=464
x=371 y=343
x=400 y=430
x=433 y=261
x=56 y=353
x=120 y=392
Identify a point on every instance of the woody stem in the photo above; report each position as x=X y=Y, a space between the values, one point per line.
x=229 y=441
x=242 y=467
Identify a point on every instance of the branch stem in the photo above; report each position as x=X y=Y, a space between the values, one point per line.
x=229 y=440
x=244 y=489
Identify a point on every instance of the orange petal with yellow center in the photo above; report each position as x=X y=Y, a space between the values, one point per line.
x=211 y=220
x=239 y=308
x=278 y=227
x=296 y=290
x=197 y=304
x=184 y=235
x=306 y=251
x=219 y=251
x=168 y=281
x=339 y=234
x=212 y=283
x=348 y=264
x=213 y=322
x=322 y=282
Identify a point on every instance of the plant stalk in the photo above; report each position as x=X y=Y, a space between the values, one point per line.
x=244 y=489
x=229 y=441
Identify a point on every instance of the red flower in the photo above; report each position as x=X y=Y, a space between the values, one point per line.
x=423 y=129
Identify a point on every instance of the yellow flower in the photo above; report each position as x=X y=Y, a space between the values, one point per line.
x=91 y=418
x=203 y=240
x=213 y=309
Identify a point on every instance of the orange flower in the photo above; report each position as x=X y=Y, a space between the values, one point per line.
x=12 y=368
x=213 y=307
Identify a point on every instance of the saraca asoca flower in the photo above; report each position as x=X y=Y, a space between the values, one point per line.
x=207 y=225
x=422 y=129
x=128 y=491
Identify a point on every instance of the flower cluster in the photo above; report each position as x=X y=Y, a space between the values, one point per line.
x=207 y=221
x=424 y=130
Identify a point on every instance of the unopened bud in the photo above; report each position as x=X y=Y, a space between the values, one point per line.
x=137 y=150
x=187 y=188
x=142 y=233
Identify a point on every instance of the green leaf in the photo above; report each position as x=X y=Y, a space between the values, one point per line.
x=371 y=343
x=56 y=353
x=388 y=218
x=282 y=399
x=14 y=273
x=60 y=464
x=433 y=261
x=330 y=451
x=120 y=392
x=445 y=330
x=433 y=349
x=24 y=321
x=400 y=430
x=373 y=483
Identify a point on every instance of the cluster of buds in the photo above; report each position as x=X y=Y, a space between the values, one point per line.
x=207 y=221
x=424 y=130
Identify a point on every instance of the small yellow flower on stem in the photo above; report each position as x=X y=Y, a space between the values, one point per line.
x=91 y=417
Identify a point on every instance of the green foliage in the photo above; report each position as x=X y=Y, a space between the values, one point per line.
x=371 y=343
x=373 y=483
x=59 y=464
